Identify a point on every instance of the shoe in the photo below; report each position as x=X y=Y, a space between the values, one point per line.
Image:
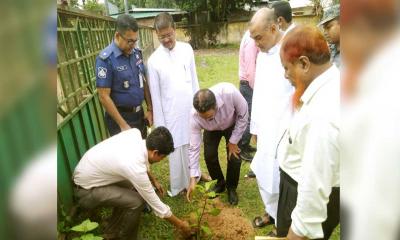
x=246 y=156
x=147 y=208
x=250 y=174
x=232 y=197
x=251 y=149
x=219 y=187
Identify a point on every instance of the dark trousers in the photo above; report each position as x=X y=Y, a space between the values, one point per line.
x=247 y=93
x=127 y=203
x=211 y=143
x=134 y=119
x=287 y=202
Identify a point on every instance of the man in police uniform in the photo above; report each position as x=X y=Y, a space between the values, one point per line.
x=120 y=80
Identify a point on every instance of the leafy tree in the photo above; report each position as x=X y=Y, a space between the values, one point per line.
x=94 y=6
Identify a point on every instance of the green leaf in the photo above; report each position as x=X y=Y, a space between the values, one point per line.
x=211 y=194
x=85 y=226
x=200 y=188
x=76 y=238
x=90 y=236
x=206 y=230
x=215 y=211
x=210 y=184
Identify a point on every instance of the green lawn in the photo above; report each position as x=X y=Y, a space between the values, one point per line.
x=213 y=66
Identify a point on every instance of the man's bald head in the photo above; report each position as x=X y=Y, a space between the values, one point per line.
x=263 y=18
x=264 y=29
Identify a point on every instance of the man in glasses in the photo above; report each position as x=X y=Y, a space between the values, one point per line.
x=120 y=80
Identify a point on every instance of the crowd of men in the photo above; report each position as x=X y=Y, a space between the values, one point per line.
x=288 y=101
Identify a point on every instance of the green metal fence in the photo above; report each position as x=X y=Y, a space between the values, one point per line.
x=80 y=125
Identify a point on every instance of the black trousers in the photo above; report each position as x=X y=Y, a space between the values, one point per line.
x=247 y=93
x=134 y=119
x=287 y=202
x=211 y=143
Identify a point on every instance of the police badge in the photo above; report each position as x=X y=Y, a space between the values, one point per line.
x=102 y=72
x=126 y=84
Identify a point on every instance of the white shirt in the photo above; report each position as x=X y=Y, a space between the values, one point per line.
x=173 y=83
x=118 y=158
x=370 y=148
x=312 y=157
x=271 y=110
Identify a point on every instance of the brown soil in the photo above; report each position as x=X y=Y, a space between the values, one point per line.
x=229 y=224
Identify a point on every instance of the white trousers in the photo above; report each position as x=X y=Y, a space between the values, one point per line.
x=179 y=170
x=270 y=201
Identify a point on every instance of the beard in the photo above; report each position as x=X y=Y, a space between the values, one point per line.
x=300 y=88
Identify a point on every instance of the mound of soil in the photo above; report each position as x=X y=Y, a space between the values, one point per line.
x=229 y=224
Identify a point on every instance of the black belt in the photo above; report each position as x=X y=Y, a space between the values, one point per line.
x=130 y=109
x=244 y=82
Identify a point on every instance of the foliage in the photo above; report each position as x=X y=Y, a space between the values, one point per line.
x=203 y=194
x=94 y=6
x=85 y=227
x=144 y=4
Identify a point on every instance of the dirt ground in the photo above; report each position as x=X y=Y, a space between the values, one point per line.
x=230 y=223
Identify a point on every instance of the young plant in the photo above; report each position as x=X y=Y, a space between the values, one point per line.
x=202 y=195
x=85 y=227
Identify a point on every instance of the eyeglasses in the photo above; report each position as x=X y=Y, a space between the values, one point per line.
x=129 y=41
x=169 y=36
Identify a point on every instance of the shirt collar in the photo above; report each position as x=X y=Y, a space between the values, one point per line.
x=315 y=85
x=220 y=103
x=117 y=52
x=146 y=156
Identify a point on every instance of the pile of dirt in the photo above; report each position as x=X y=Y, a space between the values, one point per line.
x=230 y=223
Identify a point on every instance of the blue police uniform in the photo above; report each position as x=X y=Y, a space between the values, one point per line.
x=125 y=77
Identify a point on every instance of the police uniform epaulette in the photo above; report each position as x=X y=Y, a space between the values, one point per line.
x=105 y=53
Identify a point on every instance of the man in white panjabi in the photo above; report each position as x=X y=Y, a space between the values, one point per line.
x=271 y=109
x=173 y=81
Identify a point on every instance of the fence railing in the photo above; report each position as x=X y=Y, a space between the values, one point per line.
x=80 y=125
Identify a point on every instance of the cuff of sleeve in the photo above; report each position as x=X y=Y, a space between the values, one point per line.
x=194 y=173
x=309 y=230
x=234 y=139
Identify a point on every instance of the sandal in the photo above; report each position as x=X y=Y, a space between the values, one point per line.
x=258 y=222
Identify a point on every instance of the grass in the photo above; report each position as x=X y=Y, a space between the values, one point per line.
x=213 y=66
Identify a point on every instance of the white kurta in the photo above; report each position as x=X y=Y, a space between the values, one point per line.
x=173 y=82
x=270 y=117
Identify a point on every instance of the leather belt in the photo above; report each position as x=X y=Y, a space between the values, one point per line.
x=130 y=109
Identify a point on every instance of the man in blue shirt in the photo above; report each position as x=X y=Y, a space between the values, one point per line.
x=120 y=80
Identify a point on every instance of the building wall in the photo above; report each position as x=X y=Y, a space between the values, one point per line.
x=231 y=33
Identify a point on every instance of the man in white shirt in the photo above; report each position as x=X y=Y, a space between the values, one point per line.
x=271 y=110
x=309 y=181
x=115 y=173
x=173 y=81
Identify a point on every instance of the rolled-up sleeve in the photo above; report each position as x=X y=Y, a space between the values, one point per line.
x=194 y=148
x=320 y=164
x=242 y=117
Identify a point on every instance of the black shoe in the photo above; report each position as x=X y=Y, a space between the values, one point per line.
x=147 y=208
x=232 y=197
x=246 y=156
x=250 y=174
x=219 y=187
x=251 y=149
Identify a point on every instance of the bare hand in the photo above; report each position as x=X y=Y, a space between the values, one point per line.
x=192 y=186
x=185 y=229
x=233 y=149
x=149 y=117
x=292 y=236
x=125 y=127
x=159 y=188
